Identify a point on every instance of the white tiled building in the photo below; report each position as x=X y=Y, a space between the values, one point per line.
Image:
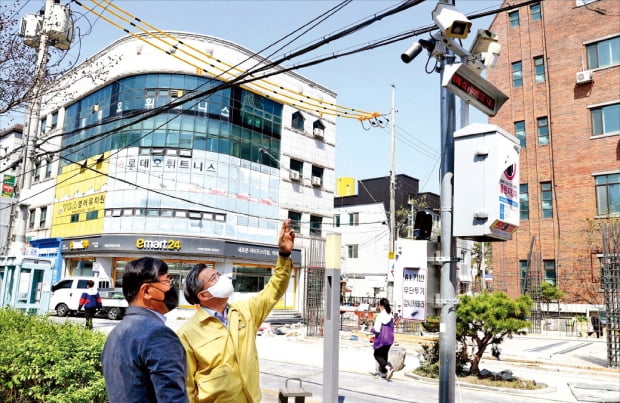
x=118 y=175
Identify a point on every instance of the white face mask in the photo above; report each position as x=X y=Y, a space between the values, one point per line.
x=223 y=288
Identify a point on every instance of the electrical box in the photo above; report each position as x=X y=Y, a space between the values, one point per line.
x=60 y=26
x=486 y=183
x=30 y=29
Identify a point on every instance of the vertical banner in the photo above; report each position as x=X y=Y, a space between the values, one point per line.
x=8 y=186
x=414 y=293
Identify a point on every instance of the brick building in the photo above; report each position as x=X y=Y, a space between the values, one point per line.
x=560 y=66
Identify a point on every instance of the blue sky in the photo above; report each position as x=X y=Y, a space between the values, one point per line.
x=362 y=81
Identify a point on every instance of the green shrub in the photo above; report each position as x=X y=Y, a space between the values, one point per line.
x=431 y=324
x=41 y=361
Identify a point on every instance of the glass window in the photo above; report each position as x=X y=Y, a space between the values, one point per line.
x=250 y=278
x=539 y=69
x=550 y=276
x=208 y=120
x=535 y=12
x=296 y=165
x=55 y=120
x=542 y=127
x=75 y=218
x=337 y=220
x=295 y=220
x=604 y=53
x=37 y=171
x=523 y=275
x=48 y=168
x=354 y=218
x=546 y=199
x=513 y=16
x=520 y=132
x=607 y=194
x=297 y=121
x=517 y=74
x=605 y=119
x=43 y=217
x=524 y=202
x=317 y=171
x=92 y=215
x=352 y=251
x=316 y=224
x=31 y=218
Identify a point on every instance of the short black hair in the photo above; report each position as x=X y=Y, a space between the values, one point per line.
x=140 y=271
x=193 y=285
x=90 y=283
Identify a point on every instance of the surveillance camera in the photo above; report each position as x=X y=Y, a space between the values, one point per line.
x=450 y=21
x=486 y=48
x=484 y=38
x=416 y=48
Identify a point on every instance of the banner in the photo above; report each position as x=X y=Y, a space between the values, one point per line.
x=8 y=186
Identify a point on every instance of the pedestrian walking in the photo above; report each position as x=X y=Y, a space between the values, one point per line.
x=384 y=338
x=90 y=300
x=596 y=325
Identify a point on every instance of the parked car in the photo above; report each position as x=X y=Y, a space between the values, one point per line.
x=65 y=297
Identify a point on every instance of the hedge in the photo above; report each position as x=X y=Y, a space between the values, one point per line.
x=42 y=361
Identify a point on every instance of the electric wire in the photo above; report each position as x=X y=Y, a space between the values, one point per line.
x=377 y=44
x=270 y=90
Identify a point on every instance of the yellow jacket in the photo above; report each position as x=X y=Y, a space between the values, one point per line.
x=222 y=364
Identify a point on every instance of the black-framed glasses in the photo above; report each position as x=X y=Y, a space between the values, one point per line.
x=169 y=281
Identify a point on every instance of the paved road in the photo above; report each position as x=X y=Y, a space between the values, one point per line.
x=573 y=368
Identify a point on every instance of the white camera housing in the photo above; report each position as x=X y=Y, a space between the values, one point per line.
x=450 y=21
x=486 y=47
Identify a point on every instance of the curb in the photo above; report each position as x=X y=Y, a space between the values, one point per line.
x=546 y=389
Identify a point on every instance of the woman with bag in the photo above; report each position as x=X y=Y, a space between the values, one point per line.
x=384 y=337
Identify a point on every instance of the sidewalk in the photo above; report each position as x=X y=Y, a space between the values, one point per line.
x=573 y=368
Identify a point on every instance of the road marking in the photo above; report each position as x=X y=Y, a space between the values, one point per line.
x=568 y=350
x=546 y=347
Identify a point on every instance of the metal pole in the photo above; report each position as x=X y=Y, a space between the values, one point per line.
x=393 y=178
x=447 y=292
x=332 y=318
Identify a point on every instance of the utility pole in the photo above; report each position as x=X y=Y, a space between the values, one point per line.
x=31 y=130
x=391 y=255
x=462 y=79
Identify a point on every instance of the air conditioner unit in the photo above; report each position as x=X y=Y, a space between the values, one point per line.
x=318 y=132
x=316 y=181
x=584 y=77
x=294 y=175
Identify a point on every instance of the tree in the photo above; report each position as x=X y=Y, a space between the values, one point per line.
x=482 y=252
x=405 y=216
x=487 y=319
x=550 y=293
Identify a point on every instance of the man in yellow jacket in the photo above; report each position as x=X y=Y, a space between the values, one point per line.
x=220 y=338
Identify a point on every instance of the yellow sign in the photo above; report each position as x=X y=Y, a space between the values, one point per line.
x=164 y=244
x=80 y=198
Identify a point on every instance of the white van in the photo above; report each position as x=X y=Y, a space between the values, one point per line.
x=65 y=297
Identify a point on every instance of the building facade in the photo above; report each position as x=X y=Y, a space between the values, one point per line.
x=560 y=66
x=151 y=156
x=362 y=217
